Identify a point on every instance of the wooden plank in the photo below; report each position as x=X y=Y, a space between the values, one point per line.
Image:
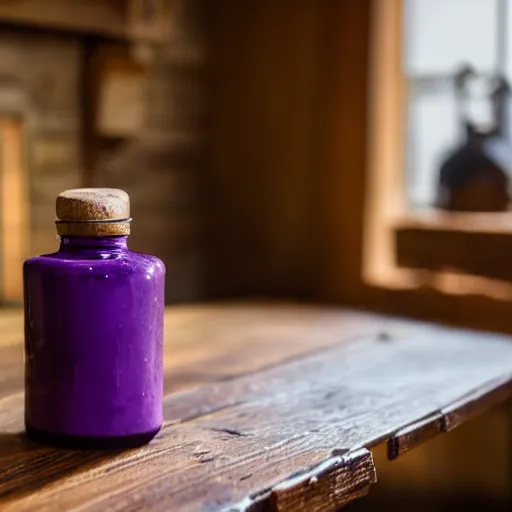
x=104 y=17
x=472 y=252
x=211 y=342
x=415 y=434
x=328 y=486
x=476 y=402
x=14 y=201
x=111 y=18
x=318 y=68
x=251 y=435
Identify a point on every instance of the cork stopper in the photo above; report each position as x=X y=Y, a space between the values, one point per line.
x=93 y=212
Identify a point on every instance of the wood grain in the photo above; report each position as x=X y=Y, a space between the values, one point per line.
x=466 y=251
x=328 y=486
x=111 y=18
x=268 y=406
x=415 y=434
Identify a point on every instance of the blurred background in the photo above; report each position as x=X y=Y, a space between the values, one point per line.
x=103 y=93
x=347 y=151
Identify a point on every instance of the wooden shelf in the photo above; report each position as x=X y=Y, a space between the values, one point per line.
x=268 y=406
x=119 y=19
x=469 y=243
x=436 y=220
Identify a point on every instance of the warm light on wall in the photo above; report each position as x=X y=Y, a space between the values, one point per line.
x=14 y=210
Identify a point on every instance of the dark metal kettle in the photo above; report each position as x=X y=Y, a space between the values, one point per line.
x=471 y=177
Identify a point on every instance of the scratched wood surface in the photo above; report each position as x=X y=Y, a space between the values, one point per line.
x=267 y=407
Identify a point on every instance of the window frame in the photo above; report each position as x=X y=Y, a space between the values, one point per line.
x=477 y=301
x=392 y=226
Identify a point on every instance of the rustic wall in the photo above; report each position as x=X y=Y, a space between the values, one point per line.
x=160 y=167
x=39 y=82
x=44 y=79
x=266 y=95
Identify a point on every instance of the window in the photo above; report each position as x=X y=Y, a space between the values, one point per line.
x=417 y=47
x=439 y=36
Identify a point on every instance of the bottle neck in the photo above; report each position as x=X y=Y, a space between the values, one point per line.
x=70 y=244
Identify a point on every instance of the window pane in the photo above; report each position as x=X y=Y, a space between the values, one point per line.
x=432 y=130
x=507 y=37
x=442 y=34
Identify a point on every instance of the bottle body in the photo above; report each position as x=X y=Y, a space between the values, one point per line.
x=94 y=343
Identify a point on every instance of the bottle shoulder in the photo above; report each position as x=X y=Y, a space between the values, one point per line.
x=125 y=262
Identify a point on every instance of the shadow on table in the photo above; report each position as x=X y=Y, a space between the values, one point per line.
x=26 y=466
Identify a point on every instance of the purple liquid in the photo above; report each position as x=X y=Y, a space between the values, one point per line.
x=94 y=343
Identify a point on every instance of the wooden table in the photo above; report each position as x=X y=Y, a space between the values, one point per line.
x=267 y=407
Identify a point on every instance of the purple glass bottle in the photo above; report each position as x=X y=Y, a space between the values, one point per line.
x=93 y=330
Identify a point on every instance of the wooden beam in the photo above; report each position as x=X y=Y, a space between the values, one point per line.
x=328 y=486
x=467 y=252
x=14 y=209
x=121 y=19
